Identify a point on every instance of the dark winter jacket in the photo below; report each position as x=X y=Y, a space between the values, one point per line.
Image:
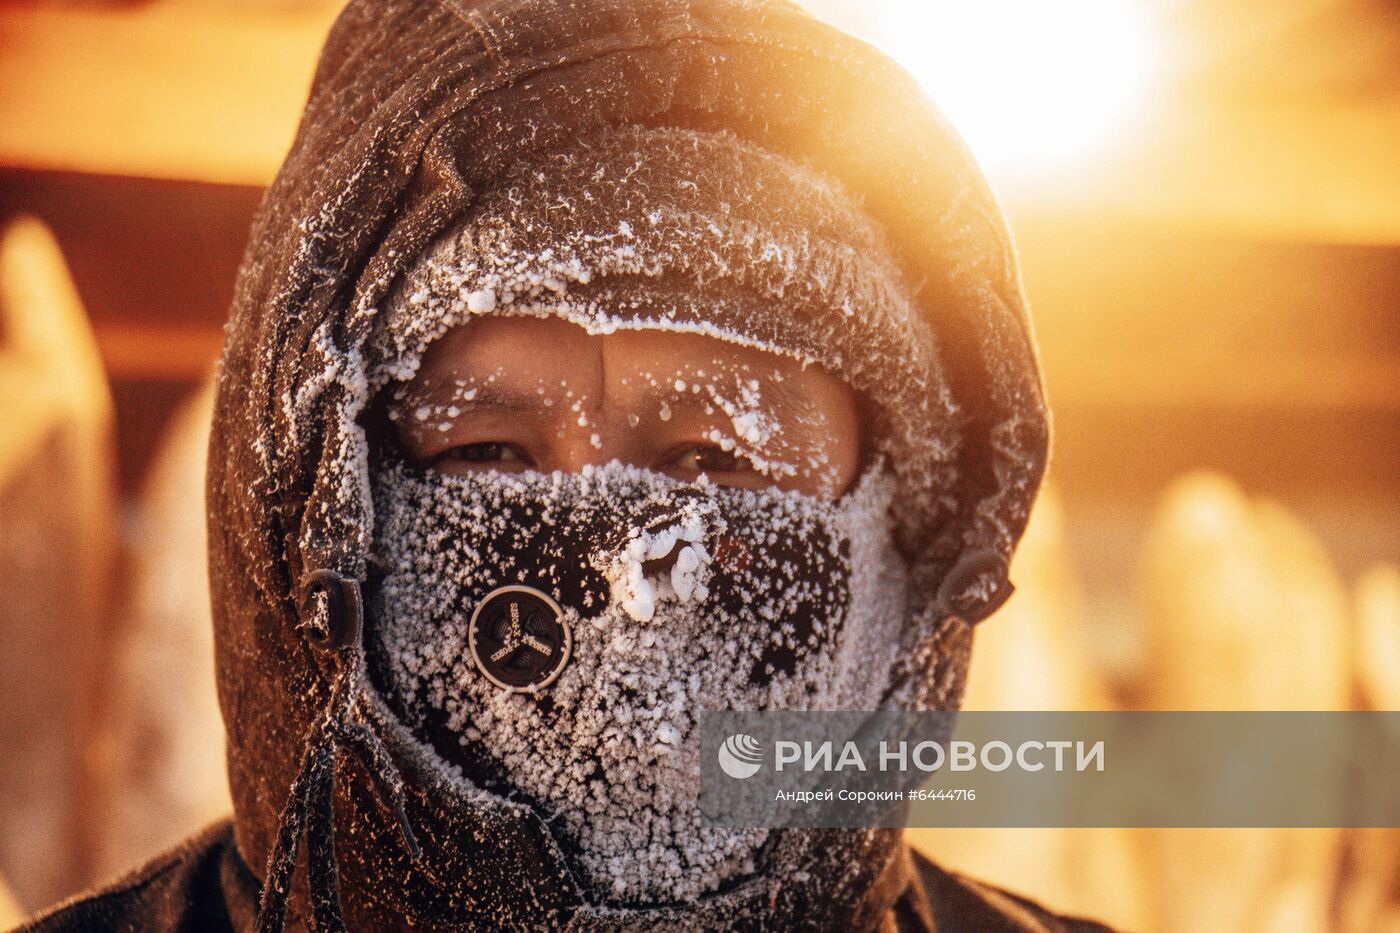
x=418 y=106
x=204 y=887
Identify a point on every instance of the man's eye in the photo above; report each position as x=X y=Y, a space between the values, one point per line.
x=487 y=453
x=707 y=458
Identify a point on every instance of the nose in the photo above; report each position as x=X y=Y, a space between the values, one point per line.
x=663 y=539
x=593 y=444
x=592 y=438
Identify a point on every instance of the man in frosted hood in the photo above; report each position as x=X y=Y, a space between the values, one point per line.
x=422 y=672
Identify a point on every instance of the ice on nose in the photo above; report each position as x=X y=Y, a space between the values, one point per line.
x=661 y=562
x=683 y=573
x=661 y=544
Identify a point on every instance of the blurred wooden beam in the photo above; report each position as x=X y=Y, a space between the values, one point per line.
x=1326 y=382
x=56 y=560
x=1305 y=171
x=1212 y=35
x=158 y=352
x=214 y=93
x=163 y=91
x=1324 y=172
x=48 y=357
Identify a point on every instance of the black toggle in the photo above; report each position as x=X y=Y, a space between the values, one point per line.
x=345 y=614
x=976 y=586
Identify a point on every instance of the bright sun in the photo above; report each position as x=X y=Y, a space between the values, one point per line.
x=1031 y=84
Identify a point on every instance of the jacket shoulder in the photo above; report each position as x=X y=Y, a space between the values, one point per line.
x=179 y=890
x=958 y=903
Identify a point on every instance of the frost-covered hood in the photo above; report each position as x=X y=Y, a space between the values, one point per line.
x=416 y=110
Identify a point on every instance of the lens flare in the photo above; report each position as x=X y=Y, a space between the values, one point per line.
x=1031 y=84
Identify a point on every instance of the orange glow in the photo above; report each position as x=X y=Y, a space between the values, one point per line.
x=1031 y=85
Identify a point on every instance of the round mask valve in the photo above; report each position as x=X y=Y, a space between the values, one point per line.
x=519 y=639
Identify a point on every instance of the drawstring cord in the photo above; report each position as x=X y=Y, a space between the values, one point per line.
x=308 y=813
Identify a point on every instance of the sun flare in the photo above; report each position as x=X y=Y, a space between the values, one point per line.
x=1030 y=84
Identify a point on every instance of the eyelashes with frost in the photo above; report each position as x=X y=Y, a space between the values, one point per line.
x=748 y=429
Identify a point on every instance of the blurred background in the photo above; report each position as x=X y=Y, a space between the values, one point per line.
x=1206 y=194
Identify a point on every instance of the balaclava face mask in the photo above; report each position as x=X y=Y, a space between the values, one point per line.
x=677 y=597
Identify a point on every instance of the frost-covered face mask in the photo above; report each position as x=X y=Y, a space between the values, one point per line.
x=672 y=598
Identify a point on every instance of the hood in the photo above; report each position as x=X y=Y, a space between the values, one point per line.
x=416 y=111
